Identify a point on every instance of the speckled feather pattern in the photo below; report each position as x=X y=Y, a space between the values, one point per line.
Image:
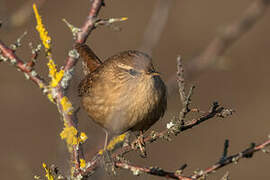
x=118 y=101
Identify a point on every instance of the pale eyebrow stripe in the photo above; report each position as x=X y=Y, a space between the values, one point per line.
x=124 y=66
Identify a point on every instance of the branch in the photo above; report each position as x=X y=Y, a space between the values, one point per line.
x=89 y=24
x=155 y=171
x=8 y=55
x=185 y=99
x=81 y=37
x=58 y=92
x=247 y=153
x=174 y=127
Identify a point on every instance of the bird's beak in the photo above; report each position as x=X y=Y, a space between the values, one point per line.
x=155 y=74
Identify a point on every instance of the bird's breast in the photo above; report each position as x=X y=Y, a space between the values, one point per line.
x=136 y=105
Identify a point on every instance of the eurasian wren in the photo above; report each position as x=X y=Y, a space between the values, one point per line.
x=123 y=93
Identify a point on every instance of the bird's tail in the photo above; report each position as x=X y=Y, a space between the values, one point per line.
x=90 y=61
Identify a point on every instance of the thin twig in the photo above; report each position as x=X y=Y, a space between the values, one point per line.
x=226 y=176
x=89 y=24
x=185 y=99
x=8 y=54
x=180 y=79
x=225 y=150
x=247 y=153
x=95 y=162
x=155 y=171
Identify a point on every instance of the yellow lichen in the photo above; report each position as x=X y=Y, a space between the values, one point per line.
x=48 y=172
x=56 y=77
x=50 y=97
x=116 y=140
x=83 y=137
x=66 y=105
x=43 y=33
x=41 y=85
x=46 y=41
x=69 y=134
x=101 y=151
x=124 y=18
x=82 y=163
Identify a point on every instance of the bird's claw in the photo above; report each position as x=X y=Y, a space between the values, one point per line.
x=140 y=144
x=108 y=163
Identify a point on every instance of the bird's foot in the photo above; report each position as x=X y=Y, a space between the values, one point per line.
x=108 y=163
x=140 y=144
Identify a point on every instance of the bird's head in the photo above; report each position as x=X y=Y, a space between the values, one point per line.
x=134 y=65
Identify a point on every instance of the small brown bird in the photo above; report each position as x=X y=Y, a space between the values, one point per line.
x=123 y=93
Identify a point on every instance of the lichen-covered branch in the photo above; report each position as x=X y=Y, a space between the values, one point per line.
x=55 y=90
x=71 y=61
x=8 y=55
x=60 y=78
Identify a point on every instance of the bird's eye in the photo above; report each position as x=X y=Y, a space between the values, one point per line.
x=128 y=69
x=132 y=72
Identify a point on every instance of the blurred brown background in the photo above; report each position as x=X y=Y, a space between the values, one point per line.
x=30 y=124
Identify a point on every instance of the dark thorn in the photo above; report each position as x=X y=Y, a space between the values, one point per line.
x=184 y=166
x=246 y=152
x=225 y=151
x=214 y=106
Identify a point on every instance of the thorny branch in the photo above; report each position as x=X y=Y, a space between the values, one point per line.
x=81 y=37
x=156 y=171
x=7 y=54
x=174 y=127
x=185 y=99
x=177 y=125
x=247 y=153
x=89 y=24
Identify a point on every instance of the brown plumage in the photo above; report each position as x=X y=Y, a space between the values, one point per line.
x=123 y=93
x=90 y=60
